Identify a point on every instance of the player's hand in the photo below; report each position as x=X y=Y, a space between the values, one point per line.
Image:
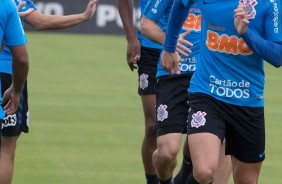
x=170 y=62
x=90 y=9
x=182 y=43
x=133 y=53
x=25 y=13
x=241 y=21
x=11 y=99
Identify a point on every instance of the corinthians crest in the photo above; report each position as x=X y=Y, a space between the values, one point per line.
x=143 y=83
x=250 y=6
x=198 y=119
x=162 y=113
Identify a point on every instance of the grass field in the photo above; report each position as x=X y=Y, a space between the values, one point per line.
x=86 y=117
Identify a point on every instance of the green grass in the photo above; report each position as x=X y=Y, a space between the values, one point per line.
x=86 y=117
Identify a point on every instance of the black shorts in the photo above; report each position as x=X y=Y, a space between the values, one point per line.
x=242 y=127
x=147 y=70
x=172 y=107
x=13 y=125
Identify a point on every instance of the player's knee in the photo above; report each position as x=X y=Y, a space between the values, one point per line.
x=203 y=174
x=167 y=155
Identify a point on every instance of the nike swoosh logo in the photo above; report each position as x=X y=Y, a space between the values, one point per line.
x=261 y=155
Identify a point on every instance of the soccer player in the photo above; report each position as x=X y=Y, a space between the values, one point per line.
x=146 y=58
x=172 y=95
x=16 y=123
x=226 y=90
x=12 y=34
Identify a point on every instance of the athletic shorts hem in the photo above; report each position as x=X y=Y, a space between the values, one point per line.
x=170 y=129
x=146 y=93
x=248 y=161
x=216 y=134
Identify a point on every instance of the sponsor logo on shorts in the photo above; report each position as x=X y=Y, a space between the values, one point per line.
x=9 y=121
x=198 y=119
x=250 y=7
x=143 y=83
x=261 y=155
x=162 y=113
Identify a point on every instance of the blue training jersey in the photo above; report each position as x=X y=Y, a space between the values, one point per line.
x=11 y=30
x=145 y=42
x=229 y=70
x=156 y=10
x=5 y=56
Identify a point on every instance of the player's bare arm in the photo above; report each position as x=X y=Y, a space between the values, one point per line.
x=11 y=97
x=125 y=8
x=47 y=22
x=151 y=30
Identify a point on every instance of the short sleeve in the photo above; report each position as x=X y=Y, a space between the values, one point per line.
x=14 y=33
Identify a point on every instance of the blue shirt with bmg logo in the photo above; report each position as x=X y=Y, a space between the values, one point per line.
x=160 y=10
x=11 y=30
x=229 y=70
x=5 y=56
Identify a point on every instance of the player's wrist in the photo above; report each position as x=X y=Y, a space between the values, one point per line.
x=169 y=49
x=131 y=37
x=84 y=17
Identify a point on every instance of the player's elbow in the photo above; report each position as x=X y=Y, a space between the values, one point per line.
x=40 y=23
x=20 y=55
x=39 y=26
x=21 y=60
x=38 y=20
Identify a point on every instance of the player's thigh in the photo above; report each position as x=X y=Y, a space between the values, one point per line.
x=245 y=173
x=204 y=150
x=206 y=130
x=9 y=145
